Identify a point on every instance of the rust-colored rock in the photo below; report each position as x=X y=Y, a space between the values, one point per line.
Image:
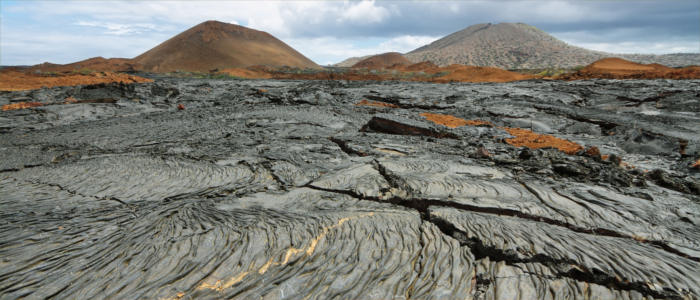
x=480 y=123
x=523 y=137
x=527 y=138
x=365 y=102
x=593 y=151
x=20 y=105
x=445 y=120
x=454 y=122
x=180 y=107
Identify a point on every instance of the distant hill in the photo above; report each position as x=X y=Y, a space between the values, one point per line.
x=91 y=64
x=520 y=46
x=617 y=68
x=669 y=60
x=217 y=45
x=352 y=61
x=504 y=45
x=381 y=61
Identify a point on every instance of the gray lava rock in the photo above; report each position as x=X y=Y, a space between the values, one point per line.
x=288 y=190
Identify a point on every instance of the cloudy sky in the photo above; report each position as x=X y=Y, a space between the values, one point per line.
x=33 y=32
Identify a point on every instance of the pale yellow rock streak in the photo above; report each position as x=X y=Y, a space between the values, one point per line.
x=291 y=252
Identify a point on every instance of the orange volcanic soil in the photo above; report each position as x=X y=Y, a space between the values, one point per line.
x=462 y=73
x=617 y=68
x=527 y=138
x=452 y=121
x=20 y=105
x=521 y=137
x=365 y=102
x=12 y=80
x=382 y=61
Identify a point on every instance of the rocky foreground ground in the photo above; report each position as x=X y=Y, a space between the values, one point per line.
x=211 y=189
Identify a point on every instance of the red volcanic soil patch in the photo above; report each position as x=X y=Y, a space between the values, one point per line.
x=621 y=66
x=452 y=121
x=522 y=137
x=479 y=123
x=17 y=81
x=383 y=61
x=20 y=105
x=617 y=68
x=217 y=45
x=527 y=138
x=462 y=73
x=445 y=120
x=365 y=102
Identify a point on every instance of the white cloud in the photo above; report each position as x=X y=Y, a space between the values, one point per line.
x=628 y=41
x=119 y=29
x=553 y=11
x=406 y=43
x=365 y=11
x=277 y=17
x=642 y=47
x=33 y=47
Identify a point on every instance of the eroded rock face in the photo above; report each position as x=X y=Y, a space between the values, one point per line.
x=258 y=190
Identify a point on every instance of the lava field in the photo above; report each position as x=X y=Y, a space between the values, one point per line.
x=213 y=189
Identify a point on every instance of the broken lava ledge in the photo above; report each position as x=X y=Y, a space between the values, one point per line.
x=355 y=190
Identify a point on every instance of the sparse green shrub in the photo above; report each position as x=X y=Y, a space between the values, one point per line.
x=224 y=76
x=83 y=71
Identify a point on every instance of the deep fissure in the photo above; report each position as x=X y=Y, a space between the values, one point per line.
x=481 y=251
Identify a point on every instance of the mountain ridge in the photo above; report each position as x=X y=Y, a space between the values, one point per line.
x=519 y=46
